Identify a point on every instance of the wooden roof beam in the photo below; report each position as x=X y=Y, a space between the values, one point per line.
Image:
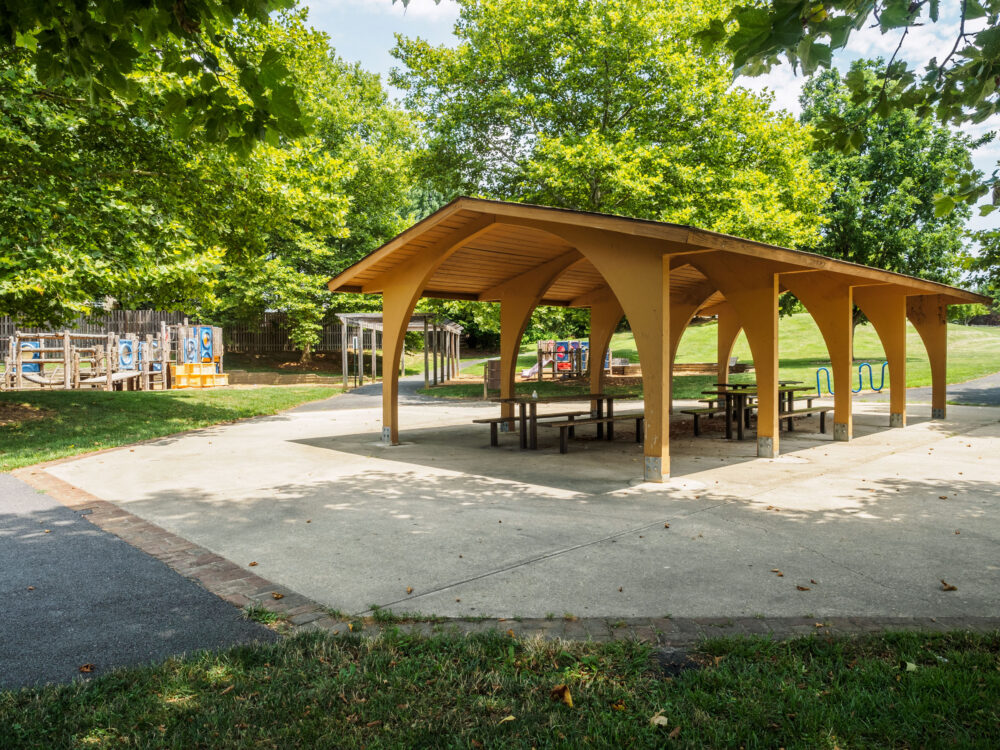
x=556 y=266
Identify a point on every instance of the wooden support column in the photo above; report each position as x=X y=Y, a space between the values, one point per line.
x=605 y=315
x=725 y=337
x=929 y=315
x=830 y=302
x=751 y=288
x=885 y=308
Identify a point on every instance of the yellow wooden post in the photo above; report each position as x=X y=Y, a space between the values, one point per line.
x=830 y=303
x=605 y=315
x=885 y=308
x=929 y=315
x=751 y=288
x=725 y=337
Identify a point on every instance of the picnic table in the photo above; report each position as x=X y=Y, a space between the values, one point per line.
x=737 y=403
x=528 y=412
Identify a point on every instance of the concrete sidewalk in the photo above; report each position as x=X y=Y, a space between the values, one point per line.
x=863 y=529
x=75 y=595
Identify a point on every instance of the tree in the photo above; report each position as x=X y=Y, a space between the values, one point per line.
x=607 y=105
x=881 y=211
x=962 y=87
x=104 y=48
x=328 y=221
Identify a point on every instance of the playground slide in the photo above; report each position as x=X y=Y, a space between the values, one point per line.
x=533 y=370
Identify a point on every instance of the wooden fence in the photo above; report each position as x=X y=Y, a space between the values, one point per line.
x=271 y=334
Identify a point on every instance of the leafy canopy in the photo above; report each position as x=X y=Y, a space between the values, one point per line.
x=960 y=88
x=881 y=211
x=104 y=46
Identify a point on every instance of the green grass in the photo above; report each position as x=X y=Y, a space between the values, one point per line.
x=318 y=691
x=972 y=353
x=77 y=422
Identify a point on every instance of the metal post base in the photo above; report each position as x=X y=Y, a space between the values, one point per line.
x=387 y=435
x=653 y=469
x=765 y=447
x=897 y=419
x=937 y=413
x=841 y=431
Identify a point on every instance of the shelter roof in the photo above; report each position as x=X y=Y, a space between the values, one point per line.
x=490 y=242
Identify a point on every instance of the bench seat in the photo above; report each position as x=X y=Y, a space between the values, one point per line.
x=698 y=412
x=494 y=421
x=821 y=410
x=566 y=426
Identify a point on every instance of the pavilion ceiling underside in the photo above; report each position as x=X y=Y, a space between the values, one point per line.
x=499 y=252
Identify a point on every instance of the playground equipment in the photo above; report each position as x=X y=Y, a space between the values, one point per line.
x=861 y=380
x=562 y=359
x=68 y=361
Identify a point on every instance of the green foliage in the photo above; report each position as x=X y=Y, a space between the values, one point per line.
x=985 y=264
x=881 y=212
x=106 y=47
x=606 y=106
x=962 y=87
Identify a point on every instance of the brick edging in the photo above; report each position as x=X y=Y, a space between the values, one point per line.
x=242 y=588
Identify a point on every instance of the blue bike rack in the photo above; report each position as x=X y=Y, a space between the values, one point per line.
x=861 y=379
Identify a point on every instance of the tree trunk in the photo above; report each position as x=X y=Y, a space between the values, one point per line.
x=307 y=356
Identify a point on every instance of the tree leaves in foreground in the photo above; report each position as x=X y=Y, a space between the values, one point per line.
x=960 y=88
x=100 y=46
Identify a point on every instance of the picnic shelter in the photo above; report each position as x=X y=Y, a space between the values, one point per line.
x=660 y=276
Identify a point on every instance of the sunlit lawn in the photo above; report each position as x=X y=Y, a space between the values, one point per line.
x=972 y=352
x=492 y=691
x=73 y=422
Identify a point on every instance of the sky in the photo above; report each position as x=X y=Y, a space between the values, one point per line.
x=364 y=31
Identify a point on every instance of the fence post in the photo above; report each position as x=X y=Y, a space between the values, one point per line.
x=343 y=350
x=67 y=361
x=426 y=363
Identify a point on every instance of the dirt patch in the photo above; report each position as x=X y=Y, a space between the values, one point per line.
x=15 y=413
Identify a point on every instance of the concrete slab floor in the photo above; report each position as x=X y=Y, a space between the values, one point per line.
x=866 y=528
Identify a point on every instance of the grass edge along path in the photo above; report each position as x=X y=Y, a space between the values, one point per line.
x=71 y=423
x=495 y=690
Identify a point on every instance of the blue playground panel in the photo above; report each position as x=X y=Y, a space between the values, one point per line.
x=126 y=355
x=205 y=343
x=27 y=366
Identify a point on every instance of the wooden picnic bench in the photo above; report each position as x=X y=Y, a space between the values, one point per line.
x=566 y=427
x=709 y=411
x=821 y=410
x=493 y=422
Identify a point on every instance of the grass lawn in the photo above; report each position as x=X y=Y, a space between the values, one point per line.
x=972 y=352
x=56 y=424
x=321 y=691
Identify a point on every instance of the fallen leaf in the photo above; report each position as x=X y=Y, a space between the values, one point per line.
x=276 y=595
x=48 y=531
x=510 y=633
x=458 y=600
x=31 y=588
x=813 y=581
x=942 y=497
x=505 y=719
x=253 y=564
x=87 y=668
x=226 y=690
x=476 y=743
x=618 y=706
x=666 y=525
x=911 y=667
x=619 y=588
x=561 y=693
x=409 y=589
x=674 y=733
x=803 y=588
x=957 y=531
x=945 y=586
x=659 y=720
x=309 y=521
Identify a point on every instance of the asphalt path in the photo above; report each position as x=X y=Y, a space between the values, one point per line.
x=979 y=392
x=75 y=595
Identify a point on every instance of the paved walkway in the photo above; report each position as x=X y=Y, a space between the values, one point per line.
x=979 y=392
x=75 y=595
x=863 y=529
